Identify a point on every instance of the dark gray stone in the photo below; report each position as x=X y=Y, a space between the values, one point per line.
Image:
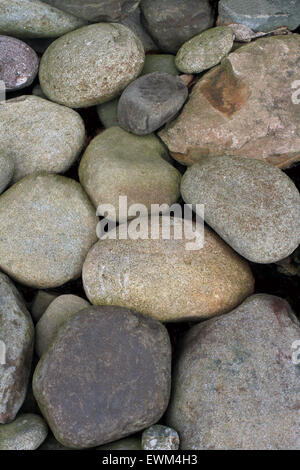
x=259 y=15
x=173 y=22
x=105 y=376
x=19 y=63
x=133 y=21
x=150 y=102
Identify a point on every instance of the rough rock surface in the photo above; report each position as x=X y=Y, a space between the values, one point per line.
x=160 y=437
x=260 y=15
x=27 y=432
x=115 y=364
x=205 y=50
x=173 y=22
x=97 y=10
x=235 y=385
x=150 y=102
x=49 y=137
x=19 y=63
x=16 y=334
x=164 y=280
x=91 y=65
x=35 y=19
x=47 y=226
x=58 y=312
x=118 y=164
x=6 y=171
x=243 y=107
x=251 y=204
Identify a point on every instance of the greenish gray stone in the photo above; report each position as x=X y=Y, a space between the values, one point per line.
x=108 y=113
x=160 y=437
x=97 y=10
x=204 y=51
x=129 y=443
x=260 y=15
x=58 y=312
x=116 y=366
x=50 y=136
x=91 y=65
x=16 y=345
x=27 y=432
x=117 y=163
x=6 y=170
x=235 y=384
x=252 y=205
x=160 y=63
x=40 y=303
x=35 y=19
x=47 y=226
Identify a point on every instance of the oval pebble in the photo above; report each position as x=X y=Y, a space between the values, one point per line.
x=91 y=65
x=150 y=102
x=19 y=63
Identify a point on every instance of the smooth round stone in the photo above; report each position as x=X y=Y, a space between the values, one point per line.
x=150 y=102
x=160 y=437
x=17 y=335
x=6 y=171
x=108 y=113
x=205 y=50
x=150 y=275
x=27 y=432
x=117 y=164
x=235 y=385
x=115 y=364
x=47 y=226
x=40 y=303
x=97 y=10
x=59 y=311
x=251 y=204
x=18 y=63
x=35 y=19
x=160 y=63
x=91 y=65
x=172 y=22
x=50 y=136
x=129 y=443
x=133 y=21
x=260 y=16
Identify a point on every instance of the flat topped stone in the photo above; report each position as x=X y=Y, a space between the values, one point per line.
x=247 y=106
x=235 y=385
x=91 y=65
x=115 y=364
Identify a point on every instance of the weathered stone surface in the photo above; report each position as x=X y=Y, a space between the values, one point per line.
x=160 y=437
x=40 y=303
x=133 y=21
x=235 y=385
x=19 y=63
x=6 y=171
x=173 y=22
x=27 y=432
x=58 y=312
x=164 y=280
x=16 y=334
x=205 y=50
x=150 y=102
x=35 y=19
x=118 y=386
x=49 y=137
x=260 y=15
x=160 y=63
x=97 y=11
x=251 y=204
x=117 y=164
x=47 y=226
x=108 y=113
x=91 y=65
x=244 y=107
x=129 y=443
